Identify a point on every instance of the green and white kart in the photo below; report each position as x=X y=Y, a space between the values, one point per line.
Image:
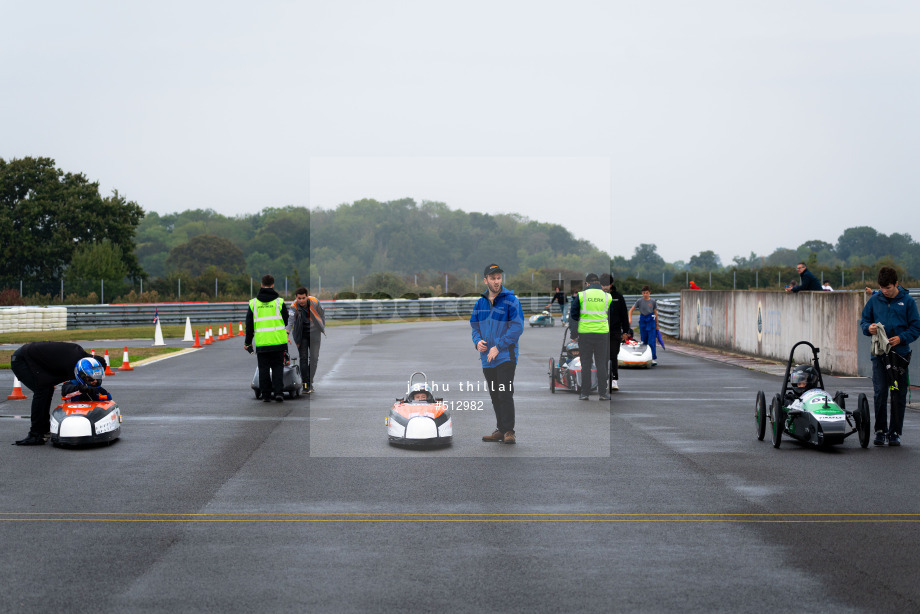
x=814 y=417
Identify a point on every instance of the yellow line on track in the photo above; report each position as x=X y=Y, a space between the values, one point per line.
x=848 y=518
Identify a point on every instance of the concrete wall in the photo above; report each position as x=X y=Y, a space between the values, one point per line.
x=768 y=324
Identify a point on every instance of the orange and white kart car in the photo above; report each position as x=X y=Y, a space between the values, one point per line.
x=424 y=422
x=85 y=423
x=634 y=354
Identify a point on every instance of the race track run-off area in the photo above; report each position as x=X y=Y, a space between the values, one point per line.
x=662 y=500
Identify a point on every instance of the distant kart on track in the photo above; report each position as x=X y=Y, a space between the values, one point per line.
x=635 y=354
x=805 y=412
x=542 y=319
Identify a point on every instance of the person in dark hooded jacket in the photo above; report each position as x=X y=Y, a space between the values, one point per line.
x=40 y=366
x=265 y=328
x=809 y=282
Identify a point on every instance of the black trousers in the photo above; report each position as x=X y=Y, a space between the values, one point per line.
x=500 y=380
x=882 y=393
x=614 y=354
x=42 y=394
x=312 y=350
x=271 y=373
x=592 y=347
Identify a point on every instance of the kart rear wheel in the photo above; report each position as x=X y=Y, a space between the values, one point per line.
x=777 y=420
x=760 y=414
x=863 y=421
x=552 y=375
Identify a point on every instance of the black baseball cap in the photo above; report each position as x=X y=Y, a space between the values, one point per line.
x=492 y=268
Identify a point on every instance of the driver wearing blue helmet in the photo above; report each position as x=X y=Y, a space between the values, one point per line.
x=86 y=386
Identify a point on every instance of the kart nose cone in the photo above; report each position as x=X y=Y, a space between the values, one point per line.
x=421 y=428
x=76 y=426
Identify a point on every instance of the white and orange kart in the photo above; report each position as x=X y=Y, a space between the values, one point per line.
x=635 y=354
x=419 y=423
x=84 y=423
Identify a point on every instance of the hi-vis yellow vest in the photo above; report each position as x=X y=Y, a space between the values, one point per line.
x=593 y=305
x=268 y=326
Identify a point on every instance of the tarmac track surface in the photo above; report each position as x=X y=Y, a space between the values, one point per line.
x=662 y=501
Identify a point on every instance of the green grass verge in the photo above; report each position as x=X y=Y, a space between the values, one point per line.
x=115 y=354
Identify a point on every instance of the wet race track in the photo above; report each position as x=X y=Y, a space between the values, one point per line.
x=662 y=500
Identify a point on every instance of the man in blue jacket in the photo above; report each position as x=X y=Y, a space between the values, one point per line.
x=497 y=322
x=894 y=309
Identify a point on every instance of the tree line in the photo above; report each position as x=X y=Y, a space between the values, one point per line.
x=855 y=258
x=58 y=234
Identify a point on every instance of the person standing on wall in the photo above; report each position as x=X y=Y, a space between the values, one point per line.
x=589 y=324
x=809 y=282
x=265 y=328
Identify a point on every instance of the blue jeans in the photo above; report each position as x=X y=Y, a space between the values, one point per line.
x=898 y=399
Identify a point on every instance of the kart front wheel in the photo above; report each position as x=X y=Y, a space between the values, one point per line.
x=777 y=420
x=760 y=414
x=863 y=421
x=552 y=375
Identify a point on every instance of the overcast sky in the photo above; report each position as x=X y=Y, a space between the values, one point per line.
x=732 y=125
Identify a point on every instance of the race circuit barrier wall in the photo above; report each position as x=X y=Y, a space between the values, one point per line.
x=768 y=324
x=16 y=319
x=141 y=314
x=669 y=316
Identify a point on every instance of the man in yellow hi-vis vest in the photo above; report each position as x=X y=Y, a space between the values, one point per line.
x=265 y=324
x=589 y=324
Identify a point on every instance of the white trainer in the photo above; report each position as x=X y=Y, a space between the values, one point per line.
x=614 y=385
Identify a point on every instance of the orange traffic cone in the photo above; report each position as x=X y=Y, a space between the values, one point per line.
x=17 y=391
x=241 y=328
x=108 y=365
x=230 y=331
x=220 y=333
x=207 y=336
x=197 y=342
x=125 y=365
x=92 y=353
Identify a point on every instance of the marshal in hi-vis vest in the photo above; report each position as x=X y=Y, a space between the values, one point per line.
x=267 y=322
x=593 y=306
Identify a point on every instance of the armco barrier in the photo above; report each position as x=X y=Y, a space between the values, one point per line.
x=669 y=317
x=141 y=314
x=101 y=316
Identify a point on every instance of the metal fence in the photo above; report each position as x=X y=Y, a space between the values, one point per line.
x=669 y=316
x=139 y=314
